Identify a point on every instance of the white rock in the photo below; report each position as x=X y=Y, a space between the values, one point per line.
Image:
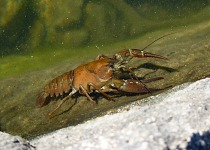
x=9 y=142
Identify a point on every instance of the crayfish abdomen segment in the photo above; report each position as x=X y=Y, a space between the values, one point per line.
x=58 y=86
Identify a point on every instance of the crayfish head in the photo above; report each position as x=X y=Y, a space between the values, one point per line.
x=105 y=72
x=122 y=55
x=121 y=58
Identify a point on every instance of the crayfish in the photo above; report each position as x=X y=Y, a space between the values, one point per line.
x=99 y=76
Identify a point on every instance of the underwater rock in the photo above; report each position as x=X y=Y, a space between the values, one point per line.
x=16 y=20
x=27 y=25
x=171 y=123
x=9 y=9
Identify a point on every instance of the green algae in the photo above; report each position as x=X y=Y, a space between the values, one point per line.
x=13 y=65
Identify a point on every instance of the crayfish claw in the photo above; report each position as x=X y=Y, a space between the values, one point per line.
x=127 y=54
x=133 y=86
x=142 y=54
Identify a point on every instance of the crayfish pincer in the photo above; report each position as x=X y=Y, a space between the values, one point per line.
x=99 y=76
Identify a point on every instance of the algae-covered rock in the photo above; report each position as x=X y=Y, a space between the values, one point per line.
x=120 y=22
x=26 y=25
x=79 y=23
x=17 y=18
x=59 y=19
x=9 y=9
x=88 y=22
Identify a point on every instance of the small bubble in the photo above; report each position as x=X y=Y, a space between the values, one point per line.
x=97 y=47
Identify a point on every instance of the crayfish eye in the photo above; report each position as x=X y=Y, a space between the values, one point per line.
x=111 y=65
x=117 y=57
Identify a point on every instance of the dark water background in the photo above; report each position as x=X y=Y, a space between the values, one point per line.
x=41 y=39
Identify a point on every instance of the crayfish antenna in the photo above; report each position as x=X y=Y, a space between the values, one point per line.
x=42 y=99
x=139 y=53
x=157 y=40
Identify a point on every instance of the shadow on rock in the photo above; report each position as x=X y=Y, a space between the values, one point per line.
x=199 y=141
x=155 y=67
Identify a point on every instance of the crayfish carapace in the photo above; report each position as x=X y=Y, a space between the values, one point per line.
x=99 y=76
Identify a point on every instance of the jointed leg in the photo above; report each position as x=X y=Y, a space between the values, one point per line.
x=62 y=102
x=96 y=88
x=84 y=91
x=129 y=69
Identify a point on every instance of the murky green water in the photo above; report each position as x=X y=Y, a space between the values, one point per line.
x=52 y=40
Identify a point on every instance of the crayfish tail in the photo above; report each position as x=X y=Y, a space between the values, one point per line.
x=42 y=99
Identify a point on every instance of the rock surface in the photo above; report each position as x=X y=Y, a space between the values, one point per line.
x=178 y=119
x=9 y=142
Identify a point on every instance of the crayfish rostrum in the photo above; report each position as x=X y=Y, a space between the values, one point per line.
x=99 y=76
